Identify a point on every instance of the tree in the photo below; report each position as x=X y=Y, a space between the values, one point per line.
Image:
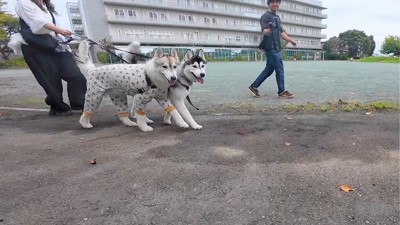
x=358 y=43
x=391 y=45
x=335 y=48
x=372 y=45
x=8 y=26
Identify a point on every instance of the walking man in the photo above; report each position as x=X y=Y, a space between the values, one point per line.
x=272 y=32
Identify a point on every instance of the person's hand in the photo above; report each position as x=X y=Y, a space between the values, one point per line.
x=293 y=42
x=270 y=26
x=65 y=32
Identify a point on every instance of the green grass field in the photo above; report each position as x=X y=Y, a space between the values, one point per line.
x=380 y=59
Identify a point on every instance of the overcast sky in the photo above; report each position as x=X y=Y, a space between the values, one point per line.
x=377 y=18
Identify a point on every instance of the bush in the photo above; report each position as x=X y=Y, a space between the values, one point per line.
x=103 y=57
x=13 y=63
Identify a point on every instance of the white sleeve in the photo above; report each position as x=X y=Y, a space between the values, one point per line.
x=33 y=16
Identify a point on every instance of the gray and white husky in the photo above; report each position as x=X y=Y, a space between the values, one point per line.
x=192 y=69
x=120 y=80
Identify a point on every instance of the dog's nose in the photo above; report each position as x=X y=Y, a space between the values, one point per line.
x=173 y=78
x=202 y=74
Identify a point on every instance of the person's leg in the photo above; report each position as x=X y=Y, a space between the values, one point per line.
x=268 y=70
x=279 y=72
x=44 y=68
x=76 y=81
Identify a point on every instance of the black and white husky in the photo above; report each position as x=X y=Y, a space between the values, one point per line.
x=192 y=69
x=119 y=80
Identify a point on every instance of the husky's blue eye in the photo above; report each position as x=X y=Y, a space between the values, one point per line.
x=194 y=66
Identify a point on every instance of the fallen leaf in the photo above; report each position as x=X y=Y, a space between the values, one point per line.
x=82 y=138
x=367 y=113
x=240 y=132
x=289 y=118
x=354 y=144
x=1 y=114
x=346 y=188
x=288 y=143
x=93 y=161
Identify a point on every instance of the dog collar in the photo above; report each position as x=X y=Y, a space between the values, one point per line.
x=186 y=86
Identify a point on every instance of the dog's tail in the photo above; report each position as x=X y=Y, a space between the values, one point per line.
x=133 y=47
x=85 y=57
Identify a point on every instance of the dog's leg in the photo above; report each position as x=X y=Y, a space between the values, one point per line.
x=92 y=102
x=176 y=116
x=167 y=118
x=120 y=100
x=184 y=112
x=85 y=120
x=133 y=109
x=141 y=121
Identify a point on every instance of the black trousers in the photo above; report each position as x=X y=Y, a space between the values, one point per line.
x=49 y=69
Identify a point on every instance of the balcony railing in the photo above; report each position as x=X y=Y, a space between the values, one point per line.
x=301 y=11
x=177 y=23
x=196 y=42
x=307 y=24
x=198 y=8
x=210 y=26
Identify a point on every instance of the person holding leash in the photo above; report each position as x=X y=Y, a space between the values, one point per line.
x=48 y=58
x=271 y=44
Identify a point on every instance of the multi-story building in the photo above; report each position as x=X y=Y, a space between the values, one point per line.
x=216 y=26
x=75 y=18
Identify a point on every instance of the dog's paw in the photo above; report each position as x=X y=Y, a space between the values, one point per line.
x=131 y=124
x=197 y=127
x=167 y=122
x=85 y=122
x=183 y=124
x=149 y=121
x=146 y=128
x=127 y=122
x=87 y=125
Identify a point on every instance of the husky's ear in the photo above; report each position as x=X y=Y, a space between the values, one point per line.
x=200 y=53
x=188 y=54
x=159 y=53
x=174 y=53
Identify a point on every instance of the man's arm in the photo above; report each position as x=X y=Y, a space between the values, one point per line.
x=288 y=39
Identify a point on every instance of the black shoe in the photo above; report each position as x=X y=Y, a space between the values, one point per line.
x=53 y=112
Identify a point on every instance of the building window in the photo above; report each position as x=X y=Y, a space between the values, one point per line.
x=214 y=21
x=119 y=13
x=79 y=32
x=182 y=18
x=206 y=20
x=191 y=19
x=208 y=5
x=76 y=21
x=164 y=16
x=153 y=15
x=207 y=37
x=237 y=37
x=132 y=14
x=183 y=2
x=74 y=11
